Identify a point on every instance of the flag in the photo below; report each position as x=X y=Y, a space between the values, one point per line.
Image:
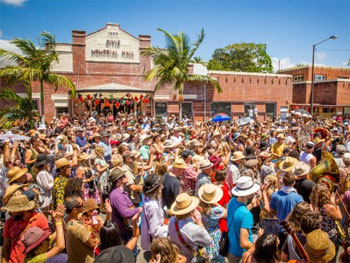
x=145 y=101
x=127 y=102
x=136 y=99
x=107 y=103
x=123 y=102
x=80 y=97
x=141 y=97
x=111 y=96
x=97 y=102
x=88 y=97
x=117 y=104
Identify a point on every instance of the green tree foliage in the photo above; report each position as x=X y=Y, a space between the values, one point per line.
x=246 y=57
x=171 y=64
x=34 y=64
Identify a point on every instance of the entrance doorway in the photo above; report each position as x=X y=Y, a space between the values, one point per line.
x=270 y=110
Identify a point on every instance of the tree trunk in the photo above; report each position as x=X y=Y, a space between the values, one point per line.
x=42 y=101
x=31 y=107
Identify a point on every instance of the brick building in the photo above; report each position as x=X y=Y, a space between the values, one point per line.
x=331 y=89
x=107 y=65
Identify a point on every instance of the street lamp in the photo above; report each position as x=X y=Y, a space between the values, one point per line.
x=312 y=74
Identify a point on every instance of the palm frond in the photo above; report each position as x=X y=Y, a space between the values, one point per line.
x=59 y=81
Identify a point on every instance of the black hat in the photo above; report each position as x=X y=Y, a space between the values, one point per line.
x=41 y=160
x=263 y=146
x=185 y=154
x=116 y=174
x=119 y=254
x=151 y=183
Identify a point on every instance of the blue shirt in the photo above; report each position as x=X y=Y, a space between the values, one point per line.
x=238 y=216
x=284 y=203
x=81 y=141
x=108 y=150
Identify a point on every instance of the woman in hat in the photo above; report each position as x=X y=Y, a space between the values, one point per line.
x=153 y=215
x=319 y=247
x=185 y=226
x=209 y=196
x=86 y=173
x=63 y=167
x=42 y=246
x=91 y=220
x=44 y=180
x=101 y=167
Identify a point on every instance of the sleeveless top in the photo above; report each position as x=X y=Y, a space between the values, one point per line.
x=292 y=254
x=305 y=157
x=328 y=225
x=31 y=167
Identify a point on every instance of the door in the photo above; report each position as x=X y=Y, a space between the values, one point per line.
x=249 y=108
x=270 y=109
x=187 y=110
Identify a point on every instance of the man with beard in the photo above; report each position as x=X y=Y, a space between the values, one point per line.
x=21 y=209
x=133 y=186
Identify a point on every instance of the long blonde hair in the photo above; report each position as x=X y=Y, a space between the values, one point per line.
x=163 y=247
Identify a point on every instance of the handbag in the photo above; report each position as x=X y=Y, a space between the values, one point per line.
x=200 y=254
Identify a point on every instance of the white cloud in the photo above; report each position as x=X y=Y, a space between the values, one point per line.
x=320 y=56
x=13 y=2
x=281 y=63
x=5 y=44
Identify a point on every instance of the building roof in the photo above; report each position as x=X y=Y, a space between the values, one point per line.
x=309 y=66
x=223 y=72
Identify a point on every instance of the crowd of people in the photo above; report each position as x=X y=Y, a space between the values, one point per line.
x=96 y=188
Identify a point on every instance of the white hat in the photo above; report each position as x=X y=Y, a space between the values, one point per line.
x=41 y=127
x=205 y=164
x=168 y=144
x=91 y=119
x=245 y=186
x=144 y=137
x=301 y=169
x=125 y=137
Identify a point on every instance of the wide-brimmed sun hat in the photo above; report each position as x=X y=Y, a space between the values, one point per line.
x=89 y=204
x=179 y=163
x=245 y=186
x=195 y=143
x=135 y=153
x=125 y=137
x=301 y=169
x=238 y=155
x=205 y=164
x=41 y=160
x=210 y=193
x=11 y=190
x=84 y=156
x=251 y=163
x=105 y=134
x=62 y=162
x=318 y=140
x=319 y=247
x=264 y=155
x=144 y=137
x=288 y=164
x=168 y=144
x=184 y=204
x=280 y=136
x=42 y=127
x=151 y=183
x=96 y=135
x=33 y=237
x=264 y=146
x=19 y=203
x=15 y=173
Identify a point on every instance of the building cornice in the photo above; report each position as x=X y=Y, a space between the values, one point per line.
x=223 y=72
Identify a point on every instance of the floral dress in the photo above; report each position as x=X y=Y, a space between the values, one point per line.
x=93 y=229
x=90 y=189
x=58 y=190
x=211 y=224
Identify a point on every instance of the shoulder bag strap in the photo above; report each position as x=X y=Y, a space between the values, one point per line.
x=28 y=225
x=182 y=240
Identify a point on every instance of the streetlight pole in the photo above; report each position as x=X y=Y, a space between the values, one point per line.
x=312 y=72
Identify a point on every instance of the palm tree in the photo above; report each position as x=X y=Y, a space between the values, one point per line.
x=198 y=60
x=23 y=109
x=171 y=64
x=34 y=64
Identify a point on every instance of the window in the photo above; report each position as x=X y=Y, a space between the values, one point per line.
x=320 y=77
x=61 y=110
x=187 y=110
x=36 y=104
x=220 y=107
x=270 y=110
x=249 y=109
x=343 y=77
x=298 y=78
x=161 y=108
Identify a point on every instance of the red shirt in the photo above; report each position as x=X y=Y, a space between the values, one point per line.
x=223 y=202
x=13 y=230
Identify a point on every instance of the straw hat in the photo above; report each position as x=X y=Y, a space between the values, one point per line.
x=135 y=153
x=11 y=190
x=245 y=186
x=144 y=137
x=33 y=237
x=125 y=137
x=96 y=135
x=205 y=164
x=280 y=136
x=184 y=204
x=319 y=246
x=84 y=156
x=19 y=203
x=318 y=140
x=264 y=155
x=301 y=169
x=179 y=163
x=168 y=144
x=15 y=173
x=288 y=164
x=61 y=162
x=89 y=204
x=238 y=155
x=194 y=143
x=210 y=193
x=251 y=163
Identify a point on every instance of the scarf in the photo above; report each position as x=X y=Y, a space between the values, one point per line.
x=288 y=189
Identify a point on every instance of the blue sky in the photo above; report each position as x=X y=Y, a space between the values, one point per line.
x=288 y=27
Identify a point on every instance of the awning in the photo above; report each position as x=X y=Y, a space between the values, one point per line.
x=115 y=89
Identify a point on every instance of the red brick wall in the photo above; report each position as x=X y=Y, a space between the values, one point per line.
x=330 y=72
